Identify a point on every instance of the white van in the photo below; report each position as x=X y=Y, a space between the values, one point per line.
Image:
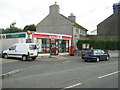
x=22 y=50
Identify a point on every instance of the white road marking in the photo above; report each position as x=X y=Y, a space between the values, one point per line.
x=73 y=85
x=108 y=74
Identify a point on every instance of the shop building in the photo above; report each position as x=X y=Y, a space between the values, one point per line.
x=48 y=43
x=57 y=23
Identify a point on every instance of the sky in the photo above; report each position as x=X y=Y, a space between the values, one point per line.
x=89 y=13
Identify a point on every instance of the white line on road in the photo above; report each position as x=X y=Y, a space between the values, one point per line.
x=108 y=74
x=73 y=85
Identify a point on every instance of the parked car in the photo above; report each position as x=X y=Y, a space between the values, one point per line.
x=22 y=50
x=94 y=55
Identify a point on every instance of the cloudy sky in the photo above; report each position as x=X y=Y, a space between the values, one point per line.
x=88 y=13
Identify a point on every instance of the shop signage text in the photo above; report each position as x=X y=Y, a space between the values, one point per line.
x=23 y=35
x=51 y=36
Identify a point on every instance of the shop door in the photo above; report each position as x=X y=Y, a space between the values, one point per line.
x=54 y=47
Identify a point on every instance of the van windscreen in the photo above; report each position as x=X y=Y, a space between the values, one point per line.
x=32 y=47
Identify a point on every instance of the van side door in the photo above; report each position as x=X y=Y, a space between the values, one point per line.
x=12 y=51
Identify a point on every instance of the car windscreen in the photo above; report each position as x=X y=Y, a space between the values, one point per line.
x=32 y=47
x=88 y=52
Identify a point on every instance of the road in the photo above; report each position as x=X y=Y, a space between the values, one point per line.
x=63 y=73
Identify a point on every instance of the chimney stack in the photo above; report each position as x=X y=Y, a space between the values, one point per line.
x=54 y=9
x=72 y=17
x=116 y=7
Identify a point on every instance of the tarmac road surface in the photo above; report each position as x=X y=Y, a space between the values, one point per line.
x=69 y=72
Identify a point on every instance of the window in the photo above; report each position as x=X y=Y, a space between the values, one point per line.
x=46 y=45
x=88 y=52
x=77 y=30
x=99 y=52
x=32 y=47
x=13 y=47
x=65 y=46
x=102 y=52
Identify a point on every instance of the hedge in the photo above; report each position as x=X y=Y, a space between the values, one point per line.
x=101 y=44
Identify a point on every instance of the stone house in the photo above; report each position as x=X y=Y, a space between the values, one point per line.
x=109 y=28
x=57 y=23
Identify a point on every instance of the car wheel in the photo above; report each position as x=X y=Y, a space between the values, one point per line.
x=86 y=60
x=5 y=56
x=97 y=59
x=24 y=58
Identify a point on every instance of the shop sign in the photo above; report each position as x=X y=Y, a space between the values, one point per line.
x=29 y=35
x=66 y=38
x=15 y=35
x=3 y=36
x=45 y=36
x=52 y=36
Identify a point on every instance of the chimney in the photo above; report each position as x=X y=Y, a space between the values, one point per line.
x=72 y=17
x=116 y=7
x=54 y=9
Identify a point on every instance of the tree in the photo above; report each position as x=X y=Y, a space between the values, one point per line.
x=11 y=30
x=31 y=27
x=1 y=30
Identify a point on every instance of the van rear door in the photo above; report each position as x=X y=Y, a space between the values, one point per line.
x=33 y=50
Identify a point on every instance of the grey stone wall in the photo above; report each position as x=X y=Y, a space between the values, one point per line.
x=108 y=29
x=55 y=24
x=109 y=26
x=114 y=53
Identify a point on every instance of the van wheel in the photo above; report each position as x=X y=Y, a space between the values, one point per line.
x=5 y=56
x=24 y=58
x=33 y=58
x=97 y=59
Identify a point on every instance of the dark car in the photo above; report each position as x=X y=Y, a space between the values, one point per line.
x=95 y=55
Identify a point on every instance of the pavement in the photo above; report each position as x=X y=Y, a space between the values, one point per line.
x=57 y=58
x=45 y=58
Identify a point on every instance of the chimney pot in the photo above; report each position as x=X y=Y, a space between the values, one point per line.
x=72 y=17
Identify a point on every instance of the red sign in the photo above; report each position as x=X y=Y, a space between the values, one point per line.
x=51 y=36
x=45 y=36
x=66 y=38
x=29 y=32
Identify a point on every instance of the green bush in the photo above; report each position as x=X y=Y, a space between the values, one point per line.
x=101 y=44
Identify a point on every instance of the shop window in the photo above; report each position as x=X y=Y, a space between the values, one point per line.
x=60 y=45
x=65 y=46
x=45 y=45
x=39 y=45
